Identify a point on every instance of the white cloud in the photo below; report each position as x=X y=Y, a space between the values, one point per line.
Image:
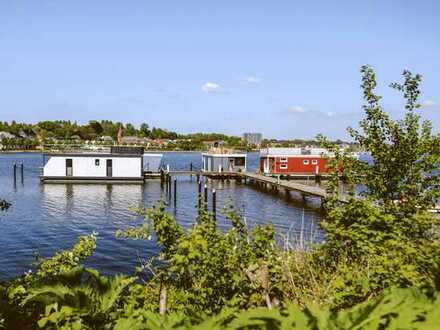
x=251 y=80
x=212 y=87
x=428 y=103
x=296 y=109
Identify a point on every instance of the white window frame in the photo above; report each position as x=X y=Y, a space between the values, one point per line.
x=306 y=162
x=283 y=159
x=283 y=166
x=314 y=162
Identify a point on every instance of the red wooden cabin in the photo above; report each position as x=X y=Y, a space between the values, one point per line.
x=293 y=161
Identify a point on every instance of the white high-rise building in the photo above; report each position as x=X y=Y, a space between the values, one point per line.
x=253 y=138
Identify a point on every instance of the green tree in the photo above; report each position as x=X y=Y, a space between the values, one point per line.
x=386 y=228
x=144 y=130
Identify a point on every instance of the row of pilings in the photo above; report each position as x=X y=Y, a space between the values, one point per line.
x=170 y=185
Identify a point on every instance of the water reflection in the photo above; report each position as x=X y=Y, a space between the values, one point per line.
x=50 y=217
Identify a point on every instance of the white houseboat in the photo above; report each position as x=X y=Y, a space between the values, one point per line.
x=223 y=160
x=115 y=164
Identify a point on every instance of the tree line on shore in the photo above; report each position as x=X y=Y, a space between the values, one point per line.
x=24 y=136
x=378 y=268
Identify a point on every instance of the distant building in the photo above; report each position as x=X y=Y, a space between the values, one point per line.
x=6 y=135
x=213 y=144
x=253 y=138
x=106 y=139
x=132 y=140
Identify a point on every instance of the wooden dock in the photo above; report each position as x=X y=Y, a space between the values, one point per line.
x=275 y=183
x=287 y=185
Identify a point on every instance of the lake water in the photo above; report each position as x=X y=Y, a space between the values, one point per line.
x=45 y=218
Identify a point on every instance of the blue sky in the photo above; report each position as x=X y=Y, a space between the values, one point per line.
x=287 y=69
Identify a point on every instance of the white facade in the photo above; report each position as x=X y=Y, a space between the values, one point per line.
x=93 y=166
x=223 y=162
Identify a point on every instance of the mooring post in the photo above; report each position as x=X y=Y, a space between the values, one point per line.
x=206 y=197
x=191 y=167
x=175 y=192
x=318 y=178
x=165 y=181
x=170 y=185
x=214 y=203
x=199 y=196
x=22 y=172
x=15 y=172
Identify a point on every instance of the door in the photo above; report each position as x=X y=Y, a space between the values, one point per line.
x=266 y=168
x=69 y=167
x=209 y=165
x=109 y=168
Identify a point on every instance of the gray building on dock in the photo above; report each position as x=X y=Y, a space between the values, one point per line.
x=223 y=162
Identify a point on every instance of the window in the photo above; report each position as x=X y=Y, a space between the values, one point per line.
x=306 y=162
x=315 y=162
x=283 y=159
x=283 y=166
x=96 y=162
x=239 y=161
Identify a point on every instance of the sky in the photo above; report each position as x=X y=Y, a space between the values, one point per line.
x=286 y=68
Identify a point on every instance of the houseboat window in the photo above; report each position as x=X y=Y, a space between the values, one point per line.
x=315 y=162
x=283 y=159
x=283 y=166
x=96 y=162
x=239 y=161
x=306 y=162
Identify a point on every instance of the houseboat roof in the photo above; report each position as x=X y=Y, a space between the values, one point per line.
x=293 y=152
x=212 y=154
x=223 y=152
x=115 y=151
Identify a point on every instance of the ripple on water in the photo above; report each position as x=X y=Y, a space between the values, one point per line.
x=50 y=217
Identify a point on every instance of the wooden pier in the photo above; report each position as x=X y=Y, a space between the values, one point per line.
x=275 y=183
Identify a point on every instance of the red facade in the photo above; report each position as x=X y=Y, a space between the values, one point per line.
x=304 y=164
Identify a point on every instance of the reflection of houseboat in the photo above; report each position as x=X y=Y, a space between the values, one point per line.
x=293 y=161
x=223 y=160
x=114 y=164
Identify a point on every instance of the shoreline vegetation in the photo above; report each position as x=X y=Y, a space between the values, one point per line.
x=379 y=267
x=28 y=137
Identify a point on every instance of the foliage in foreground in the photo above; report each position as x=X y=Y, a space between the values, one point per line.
x=378 y=268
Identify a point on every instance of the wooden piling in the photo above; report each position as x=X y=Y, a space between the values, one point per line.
x=15 y=172
x=214 y=203
x=22 y=172
x=175 y=192
x=199 y=196
x=206 y=196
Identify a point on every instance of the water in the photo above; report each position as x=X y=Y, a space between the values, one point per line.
x=45 y=218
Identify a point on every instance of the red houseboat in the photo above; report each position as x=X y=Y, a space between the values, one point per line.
x=293 y=161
